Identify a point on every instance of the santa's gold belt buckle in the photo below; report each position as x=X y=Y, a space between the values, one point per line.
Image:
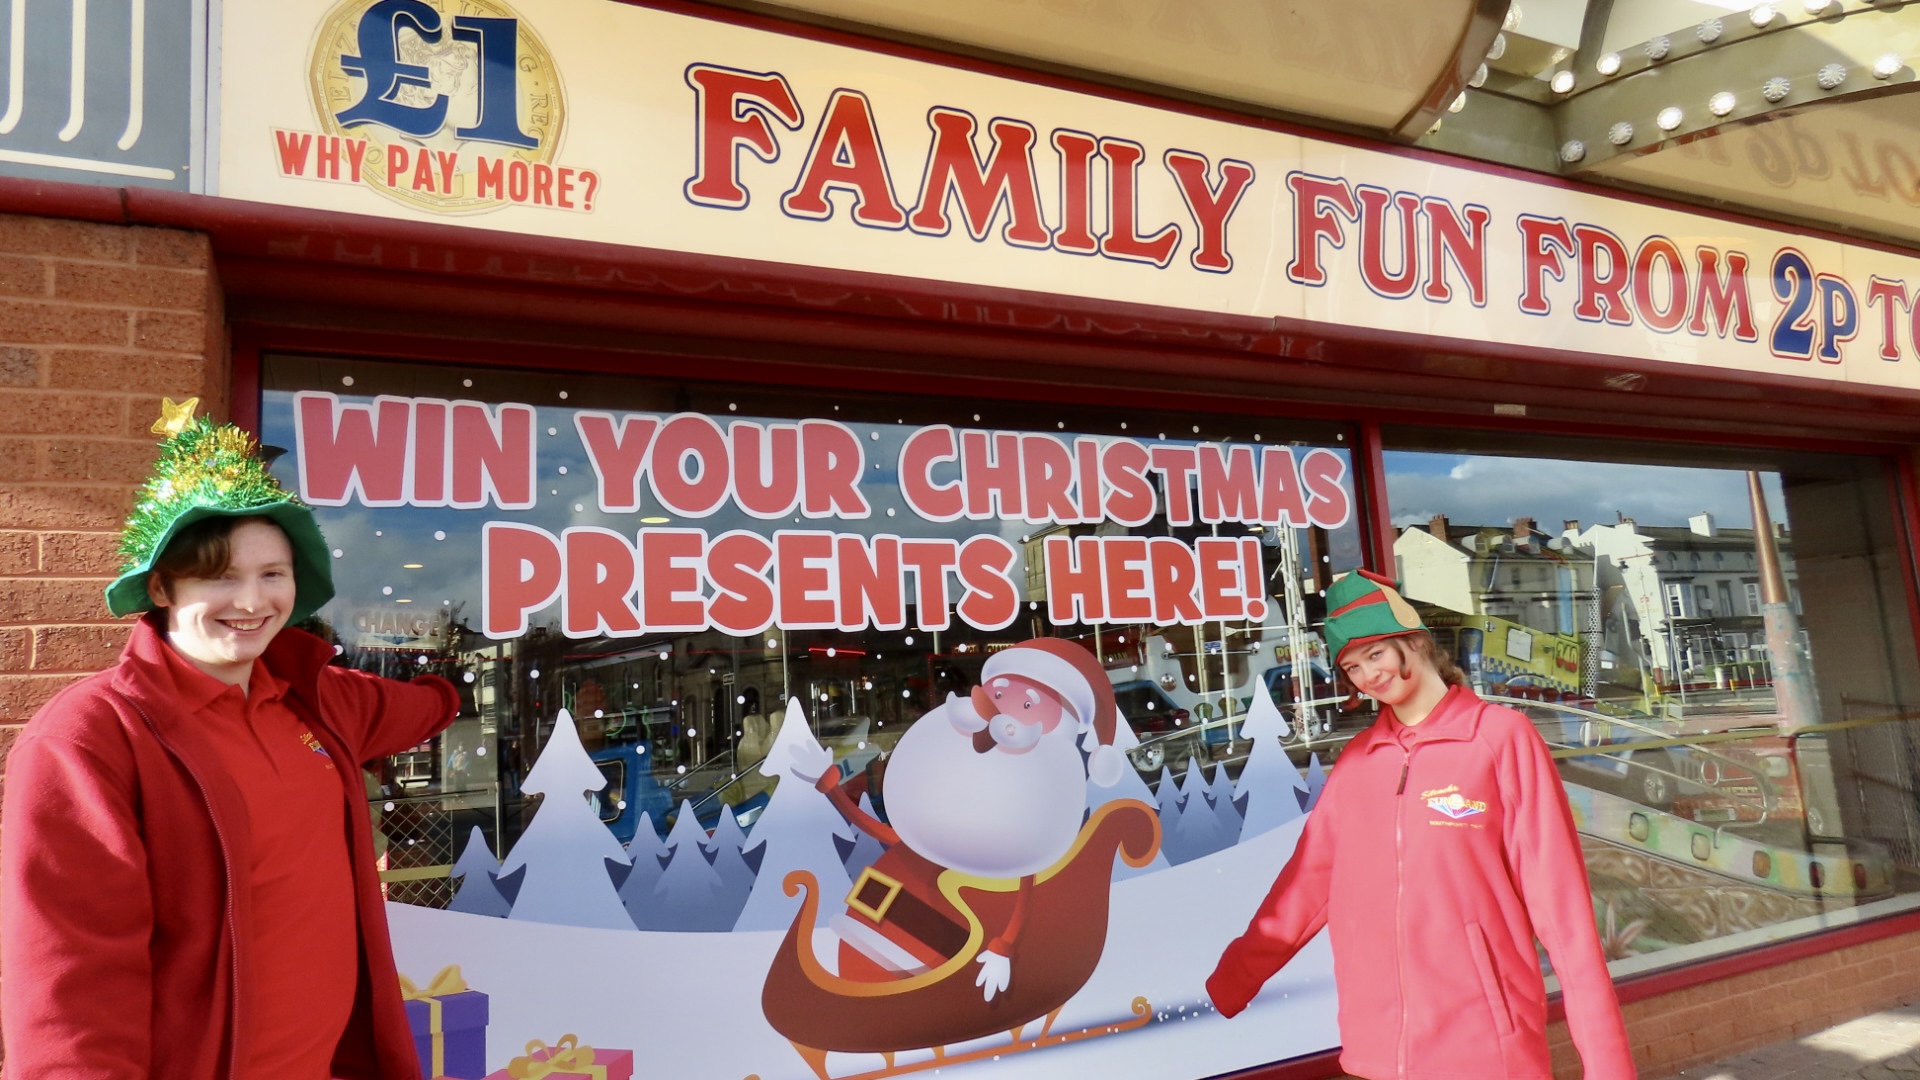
x=873 y=894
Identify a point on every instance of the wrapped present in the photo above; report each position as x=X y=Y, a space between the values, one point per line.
x=449 y=1023
x=567 y=1059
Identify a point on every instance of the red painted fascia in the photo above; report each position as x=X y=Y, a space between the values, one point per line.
x=318 y=253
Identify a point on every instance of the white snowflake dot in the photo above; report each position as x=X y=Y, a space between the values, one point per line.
x=386 y=590
x=420 y=661
x=831 y=652
x=909 y=639
x=578 y=508
x=379 y=532
x=468 y=677
x=552 y=431
x=387 y=807
x=889 y=511
x=439 y=534
x=338 y=554
x=563 y=395
x=346 y=380
x=466 y=382
x=682 y=770
x=533 y=674
x=481 y=752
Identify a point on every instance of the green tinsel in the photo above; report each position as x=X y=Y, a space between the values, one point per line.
x=207 y=464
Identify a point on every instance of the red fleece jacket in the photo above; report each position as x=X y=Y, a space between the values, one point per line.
x=1436 y=856
x=121 y=940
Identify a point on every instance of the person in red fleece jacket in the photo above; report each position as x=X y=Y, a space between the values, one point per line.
x=187 y=881
x=1441 y=848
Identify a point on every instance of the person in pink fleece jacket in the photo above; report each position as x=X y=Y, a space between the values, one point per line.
x=1440 y=850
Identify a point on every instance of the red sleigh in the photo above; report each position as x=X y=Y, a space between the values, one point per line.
x=818 y=1011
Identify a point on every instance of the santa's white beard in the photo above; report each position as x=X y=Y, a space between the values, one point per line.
x=996 y=814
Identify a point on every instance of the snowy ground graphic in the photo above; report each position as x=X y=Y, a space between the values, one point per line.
x=688 y=1004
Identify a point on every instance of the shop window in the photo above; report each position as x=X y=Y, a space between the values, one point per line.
x=1736 y=766
x=684 y=571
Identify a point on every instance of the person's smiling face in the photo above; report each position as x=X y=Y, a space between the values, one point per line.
x=1380 y=670
x=222 y=624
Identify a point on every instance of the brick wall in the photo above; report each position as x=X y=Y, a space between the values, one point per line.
x=97 y=323
x=1726 y=1017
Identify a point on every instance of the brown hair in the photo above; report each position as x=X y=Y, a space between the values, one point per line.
x=1419 y=643
x=201 y=550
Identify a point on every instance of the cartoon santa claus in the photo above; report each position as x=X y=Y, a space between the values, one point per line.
x=991 y=786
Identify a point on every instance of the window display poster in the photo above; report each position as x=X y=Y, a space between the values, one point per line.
x=1017 y=898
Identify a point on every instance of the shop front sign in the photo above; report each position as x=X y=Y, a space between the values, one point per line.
x=592 y=120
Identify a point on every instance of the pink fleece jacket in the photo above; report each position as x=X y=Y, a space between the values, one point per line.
x=1437 y=855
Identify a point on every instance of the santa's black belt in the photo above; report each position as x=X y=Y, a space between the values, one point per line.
x=884 y=900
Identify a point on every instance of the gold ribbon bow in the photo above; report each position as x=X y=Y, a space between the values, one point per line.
x=569 y=1055
x=447 y=981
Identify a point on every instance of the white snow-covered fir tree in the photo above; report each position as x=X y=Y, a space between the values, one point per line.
x=566 y=847
x=1166 y=796
x=726 y=849
x=865 y=848
x=796 y=831
x=687 y=896
x=1196 y=831
x=649 y=854
x=1130 y=786
x=1269 y=789
x=1220 y=794
x=479 y=893
x=1316 y=780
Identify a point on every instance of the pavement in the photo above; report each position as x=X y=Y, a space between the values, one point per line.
x=1881 y=1046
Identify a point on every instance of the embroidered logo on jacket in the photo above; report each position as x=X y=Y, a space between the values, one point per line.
x=1449 y=801
x=313 y=744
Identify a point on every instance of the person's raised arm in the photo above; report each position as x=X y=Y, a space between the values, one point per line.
x=1294 y=910
x=381 y=717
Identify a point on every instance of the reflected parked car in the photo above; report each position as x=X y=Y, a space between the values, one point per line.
x=1166 y=731
x=1750 y=781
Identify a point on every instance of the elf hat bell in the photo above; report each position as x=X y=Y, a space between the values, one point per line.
x=210 y=470
x=1363 y=606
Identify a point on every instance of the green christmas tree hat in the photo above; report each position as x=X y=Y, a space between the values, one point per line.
x=213 y=470
x=1364 y=606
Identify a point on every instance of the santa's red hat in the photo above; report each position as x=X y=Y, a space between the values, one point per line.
x=1074 y=674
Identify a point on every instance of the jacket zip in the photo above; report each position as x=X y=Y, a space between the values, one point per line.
x=1400 y=904
x=226 y=864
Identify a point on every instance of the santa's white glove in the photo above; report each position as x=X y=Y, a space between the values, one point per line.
x=809 y=761
x=995 y=972
x=963 y=716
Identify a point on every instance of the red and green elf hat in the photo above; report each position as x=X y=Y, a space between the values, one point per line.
x=1364 y=606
